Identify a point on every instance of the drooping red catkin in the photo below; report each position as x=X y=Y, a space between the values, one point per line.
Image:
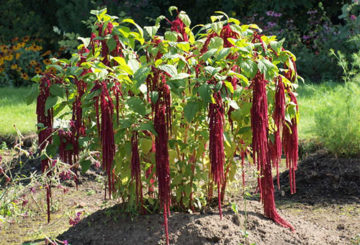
x=45 y=117
x=290 y=145
x=161 y=110
x=107 y=134
x=279 y=117
x=216 y=143
x=261 y=153
x=65 y=152
x=162 y=161
x=135 y=167
x=225 y=34
x=149 y=172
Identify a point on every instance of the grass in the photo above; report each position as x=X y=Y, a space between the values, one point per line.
x=311 y=97
x=15 y=111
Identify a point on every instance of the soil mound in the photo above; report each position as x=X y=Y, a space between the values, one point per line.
x=323 y=176
x=110 y=227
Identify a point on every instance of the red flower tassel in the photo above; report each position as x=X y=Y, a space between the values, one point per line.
x=135 y=167
x=107 y=135
x=261 y=153
x=216 y=143
x=45 y=134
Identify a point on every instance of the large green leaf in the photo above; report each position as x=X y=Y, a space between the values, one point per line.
x=169 y=69
x=137 y=105
x=190 y=110
x=50 y=102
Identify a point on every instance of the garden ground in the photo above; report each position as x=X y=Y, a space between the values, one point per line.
x=322 y=217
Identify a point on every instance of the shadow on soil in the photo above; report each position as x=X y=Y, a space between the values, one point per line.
x=322 y=178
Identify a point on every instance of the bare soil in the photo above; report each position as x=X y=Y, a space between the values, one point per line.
x=322 y=211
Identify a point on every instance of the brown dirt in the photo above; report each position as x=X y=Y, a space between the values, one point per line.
x=319 y=217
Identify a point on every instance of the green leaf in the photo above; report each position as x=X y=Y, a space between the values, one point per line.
x=134 y=65
x=33 y=94
x=85 y=165
x=50 y=102
x=212 y=70
x=217 y=27
x=151 y=30
x=216 y=18
x=154 y=96
x=169 y=69
x=136 y=25
x=171 y=36
x=267 y=68
x=180 y=76
x=240 y=76
x=208 y=54
x=172 y=8
x=137 y=105
x=57 y=90
x=148 y=126
x=249 y=68
x=233 y=104
x=216 y=43
x=229 y=86
x=58 y=108
x=85 y=41
x=205 y=92
x=125 y=123
x=277 y=45
x=111 y=43
x=123 y=65
x=185 y=46
x=185 y=18
x=190 y=110
x=141 y=74
x=145 y=145
x=223 y=53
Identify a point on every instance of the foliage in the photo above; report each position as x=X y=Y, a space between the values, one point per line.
x=21 y=60
x=152 y=104
x=335 y=120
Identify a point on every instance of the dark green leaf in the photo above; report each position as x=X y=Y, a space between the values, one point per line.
x=148 y=126
x=50 y=102
x=57 y=90
x=33 y=94
x=190 y=110
x=205 y=92
x=85 y=165
x=137 y=105
x=111 y=43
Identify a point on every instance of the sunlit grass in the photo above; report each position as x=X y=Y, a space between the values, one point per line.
x=15 y=111
x=311 y=97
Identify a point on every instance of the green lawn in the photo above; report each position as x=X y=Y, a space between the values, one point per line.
x=15 y=111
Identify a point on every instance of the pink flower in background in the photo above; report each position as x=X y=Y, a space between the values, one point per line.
x=352 y=17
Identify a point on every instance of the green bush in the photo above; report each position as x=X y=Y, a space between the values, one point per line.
x=337 y=120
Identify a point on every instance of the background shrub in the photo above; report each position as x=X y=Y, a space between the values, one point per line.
x=21 y=60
